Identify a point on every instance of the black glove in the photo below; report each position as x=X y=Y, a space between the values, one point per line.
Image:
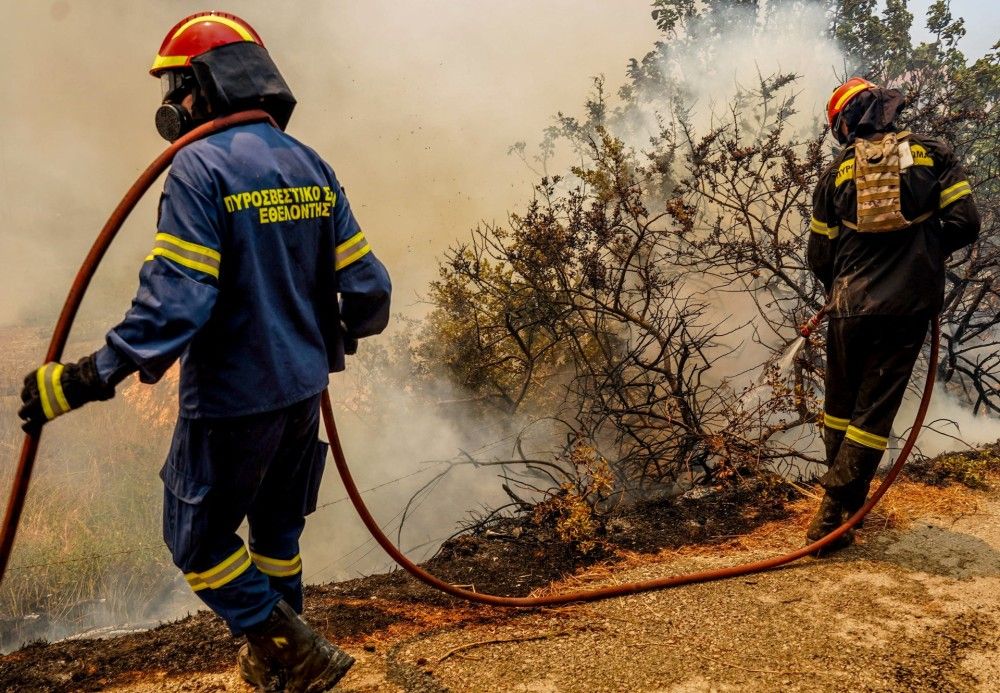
x=55 y=389
x=350 y=343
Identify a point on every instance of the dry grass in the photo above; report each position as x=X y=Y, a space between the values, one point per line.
x=906 y=502
x=88 y=548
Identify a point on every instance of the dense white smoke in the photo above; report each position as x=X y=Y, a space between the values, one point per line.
x=413 y=104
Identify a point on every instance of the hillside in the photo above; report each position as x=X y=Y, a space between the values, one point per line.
x=914 y=606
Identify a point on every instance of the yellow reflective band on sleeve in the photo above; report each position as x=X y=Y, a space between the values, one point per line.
x=221 y=574
x=844 y=173
x=834 y=422
x=277 y=567
x=817 y=226
x=955 y=192
x=187 y=254
x=869 y=440
x=351 y=250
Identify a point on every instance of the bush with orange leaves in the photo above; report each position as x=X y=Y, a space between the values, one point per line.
x=578 y=508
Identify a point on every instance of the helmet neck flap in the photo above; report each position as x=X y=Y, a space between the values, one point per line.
x=241 y=76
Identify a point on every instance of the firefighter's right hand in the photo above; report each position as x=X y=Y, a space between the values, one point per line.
x=55 y=389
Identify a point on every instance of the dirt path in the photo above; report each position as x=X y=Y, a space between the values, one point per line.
x=909 y=609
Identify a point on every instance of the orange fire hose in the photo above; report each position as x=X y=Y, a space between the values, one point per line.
x=622 y=589
x=60 y=334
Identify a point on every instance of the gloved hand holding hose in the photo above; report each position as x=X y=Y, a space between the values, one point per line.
x=55 y=389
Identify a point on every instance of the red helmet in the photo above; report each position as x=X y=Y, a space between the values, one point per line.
x=197 y=34
x=843 y=94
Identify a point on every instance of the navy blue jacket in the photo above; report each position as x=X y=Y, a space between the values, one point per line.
x=258 y=275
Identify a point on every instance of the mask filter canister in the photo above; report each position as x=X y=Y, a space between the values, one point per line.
x=172 y=121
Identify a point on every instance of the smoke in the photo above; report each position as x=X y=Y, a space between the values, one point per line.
x=413 y=104
x=785 y=37
x=950 y=423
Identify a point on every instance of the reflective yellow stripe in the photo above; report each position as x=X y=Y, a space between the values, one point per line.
x=221 y=574
x=834 y=422
x=353 y=258
x=43 y=392
x=822 y=229
x=191 y=255
x=244 y=34
x=49 y=379
x=955 y=192
x=277 y=567
x=869 y=440
x=353 y=240
x=351 y=250
x=181 y=260
x=57 y=371
x=848 y=94
x=163 y=62
x=188 y=245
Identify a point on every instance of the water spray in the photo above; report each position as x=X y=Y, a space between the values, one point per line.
x=60 y=334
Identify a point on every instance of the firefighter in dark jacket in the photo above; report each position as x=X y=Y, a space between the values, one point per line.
x=259 y=279
x=887 y=213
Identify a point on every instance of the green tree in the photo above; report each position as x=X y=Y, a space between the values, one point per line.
x=585 y=309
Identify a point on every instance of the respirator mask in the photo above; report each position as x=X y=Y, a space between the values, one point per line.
x=173 y=119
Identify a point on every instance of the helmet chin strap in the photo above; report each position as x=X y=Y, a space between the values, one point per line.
x=839 y=131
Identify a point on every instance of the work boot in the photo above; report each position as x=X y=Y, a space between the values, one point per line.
x=828 y=518
x=850 y=476
x=853 y=501
x=259 y=671
x=832 y=440
x=307 y=661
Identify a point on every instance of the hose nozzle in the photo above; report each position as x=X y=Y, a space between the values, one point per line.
x=812 y=323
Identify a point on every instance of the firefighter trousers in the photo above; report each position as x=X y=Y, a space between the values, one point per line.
x=869 y=360
x=264 y=468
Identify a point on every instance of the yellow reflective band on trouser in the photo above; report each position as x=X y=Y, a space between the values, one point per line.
x=277 y=567
x=224 y=572
x=351 y=250
x=955 y=192
x=869 y=440
x=817 y=226
x=834 y=422
x=49 y=379
x=191 y=255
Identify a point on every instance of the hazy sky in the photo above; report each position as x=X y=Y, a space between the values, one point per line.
x=982 y=22
x=413 y=103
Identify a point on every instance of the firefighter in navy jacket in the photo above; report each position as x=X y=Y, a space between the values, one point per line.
x=259 y=280
x=887 y=213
